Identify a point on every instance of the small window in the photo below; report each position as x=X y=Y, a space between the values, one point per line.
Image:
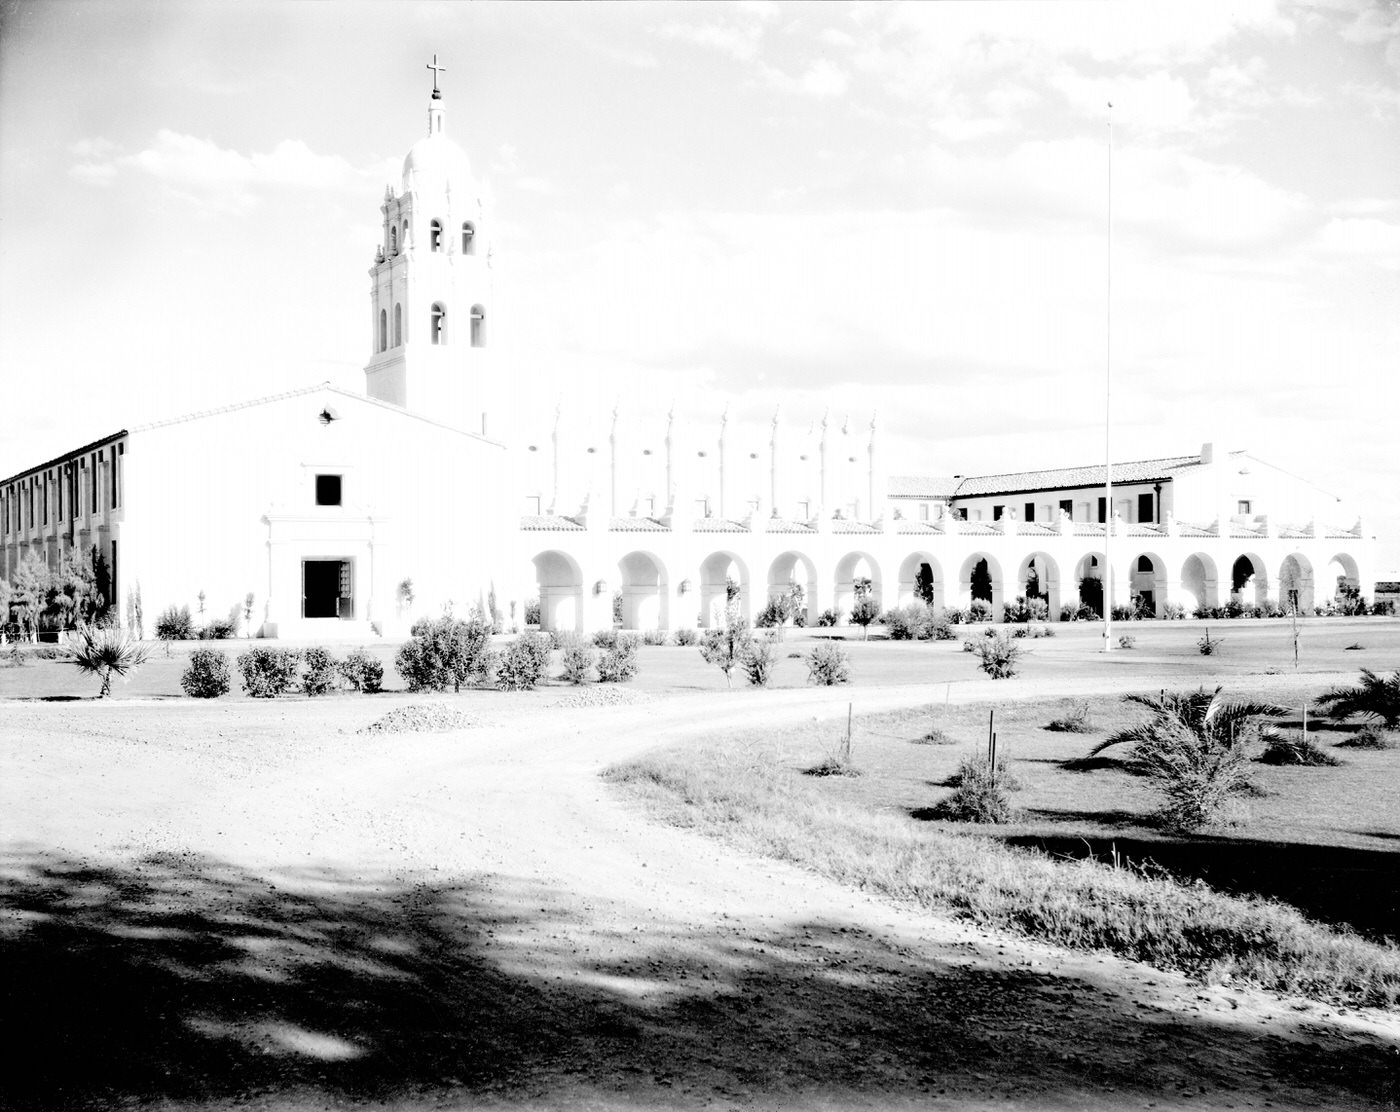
x=532 y=504
x=804 y=511
x=398 y=325
x=923 y=511
x=435 y=235
x=383 y=330
x=1146 y=511
x=997 y=511
x=1144 y=563
x=961 y=513
x=394 y=240
x=702 y=507
x=1030 y=511
x=478 y=326
x=468 y=238
x=438 y=329
x=1067 y=507
x=328 y=490
x=1245 y=506
x=1103 y=509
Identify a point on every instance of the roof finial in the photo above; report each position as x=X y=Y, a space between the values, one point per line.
x=433 y=65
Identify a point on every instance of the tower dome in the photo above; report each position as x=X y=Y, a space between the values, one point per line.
x=436 y=161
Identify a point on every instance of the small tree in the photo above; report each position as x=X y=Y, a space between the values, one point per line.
x=727 y=646
x=107 y=653
x=828 y=665
x=31 y=586
x=758 y=663
x=248 y=613
x=997 y=655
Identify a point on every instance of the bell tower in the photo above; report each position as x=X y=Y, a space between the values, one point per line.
x=430 y=285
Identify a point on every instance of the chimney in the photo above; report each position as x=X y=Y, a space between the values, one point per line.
x=1207 y=452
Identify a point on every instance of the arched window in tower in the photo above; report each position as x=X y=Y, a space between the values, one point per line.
x=383 y=330
x=394 y=240
x=478 y=326
x=398 y=325
x=438 y=331
x=468 y=238
x=435 y=235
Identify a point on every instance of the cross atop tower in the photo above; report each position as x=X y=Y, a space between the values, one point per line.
x=433 y=65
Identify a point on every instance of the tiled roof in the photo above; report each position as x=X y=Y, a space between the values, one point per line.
x=978 y=529
x=636 y=525
x=550 y=522
x=844 y=526
x=911 y=528
x=719 y=525
x=1064 y=478
x=782 y=525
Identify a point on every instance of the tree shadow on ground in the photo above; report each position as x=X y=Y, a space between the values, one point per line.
x=183 y=981
x=1344 y=886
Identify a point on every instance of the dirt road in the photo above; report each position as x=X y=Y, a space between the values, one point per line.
x=258 y=907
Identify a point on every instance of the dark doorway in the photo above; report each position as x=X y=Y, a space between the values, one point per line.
x=325 y=589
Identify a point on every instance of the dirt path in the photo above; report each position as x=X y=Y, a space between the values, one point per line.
x=294 y=915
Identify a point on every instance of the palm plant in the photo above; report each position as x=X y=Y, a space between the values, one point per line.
x=107 y=652
x=1374 y=697
x=1195 y=746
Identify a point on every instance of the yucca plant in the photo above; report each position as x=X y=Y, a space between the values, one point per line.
x=1195 y=746
x=107 y=652
x=1374 y=697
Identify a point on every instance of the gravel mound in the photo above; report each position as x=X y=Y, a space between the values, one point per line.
x=421 y=718
x=602 y=696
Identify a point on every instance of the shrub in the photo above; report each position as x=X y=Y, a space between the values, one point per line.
x=979 y=611
x=1075 y=722
x=619 y=663
x=1173 y=611
x=1194 y=748
x=175 y=624
x=107 y=653
x=1295 y=749
x=973 y=769
x=363 y=671
x=268 y=672
x=943 y=629
x=565 y=639
x=997 y=656
x=577 y=660
x=1368 y=737
x=981 y=795
x=1376 y=696
x=445 y=651
x=207 y=675
x=954 y=615
x=321 y=671
x=605 y=639
x=760 y=660
x=686 y=636
x=1025 y=610
x=865 y=611
x=914 y=621
x=1207 y=646
x=727 y=646
x=1127 y=641
x=218 y=629
x=532 y=611
x=829 y=617
x=1038 y=632
x=654 y=637
x=523 y=663
x=774 y=613
x=828 y=665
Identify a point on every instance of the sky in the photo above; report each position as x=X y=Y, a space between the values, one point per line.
x=902 y=209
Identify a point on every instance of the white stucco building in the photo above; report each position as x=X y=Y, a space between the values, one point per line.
x=321 y=502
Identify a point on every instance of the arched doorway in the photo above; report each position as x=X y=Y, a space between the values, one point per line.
x=1147 y=583
x=1249 y=579
x=560 y=583
x=921 y=580
x=1038 y=576
x=793 y=570
x=856 y=574
x=723 y=574
x=644 y=591
x=981 y=577
x=1295 y=584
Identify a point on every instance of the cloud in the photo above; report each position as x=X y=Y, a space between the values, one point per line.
x=821 y=79
x=1360 y=240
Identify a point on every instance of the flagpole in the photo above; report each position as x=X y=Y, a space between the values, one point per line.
x=1108 y=409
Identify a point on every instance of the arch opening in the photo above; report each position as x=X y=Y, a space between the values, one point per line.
x=858 y=580
x=723 y=577
x=1147 y=584
x=437 y=331
x=793 y=585
x=560 y=583
x=921 y=580
x=1038 y=581
x=644 y=591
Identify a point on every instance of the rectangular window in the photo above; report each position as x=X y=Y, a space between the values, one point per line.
x=92 y=484
x=702 y=507
x=1146 y=511
x=328 y=490
x=923 y=511
x=117 y=453
x=45 y=499
x=962 y=513
x=1244 y=507
x=1067 y=505
x=1030 y=511
x=996 y=512
x=532 y=504
x=1103 y=508
x=804 y=511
